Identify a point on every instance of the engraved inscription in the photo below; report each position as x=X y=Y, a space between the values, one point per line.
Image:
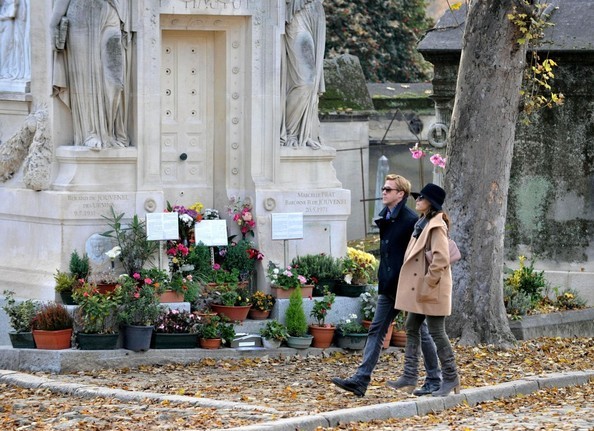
x=96 y=205
x=223 y=4
x=321 y=202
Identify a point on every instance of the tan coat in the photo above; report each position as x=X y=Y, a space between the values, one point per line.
x=423 y=288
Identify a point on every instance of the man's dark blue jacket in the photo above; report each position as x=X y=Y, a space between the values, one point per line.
x=395 y=233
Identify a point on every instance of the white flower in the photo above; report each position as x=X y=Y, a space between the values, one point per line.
x=275 y=271
x=187 y=220
x=114 y=252
x=348 y=278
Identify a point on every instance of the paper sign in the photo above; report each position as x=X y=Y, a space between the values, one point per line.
x=287 y=225
x=162 y=226
x=211 y=232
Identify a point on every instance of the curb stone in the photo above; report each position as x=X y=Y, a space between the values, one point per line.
x=425 y=405
x=402 y=409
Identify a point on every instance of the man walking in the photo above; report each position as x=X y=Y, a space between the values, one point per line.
x=396 y=223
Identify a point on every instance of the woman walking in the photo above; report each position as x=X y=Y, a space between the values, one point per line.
x=425 y=291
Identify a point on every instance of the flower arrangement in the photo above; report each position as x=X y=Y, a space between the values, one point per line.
x=211 y=214
x=177 y=253
x=185 y=285
x=187 y=218
x=96 y=313
x=177 y=322
x=262 y=301
x=321 y=308
x=350 y=325
x=436 y=159
x=287 y=278
x=20 y=315
x=242 y=214
x=359 y=267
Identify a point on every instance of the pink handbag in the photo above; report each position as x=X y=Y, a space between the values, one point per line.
x=455 y=254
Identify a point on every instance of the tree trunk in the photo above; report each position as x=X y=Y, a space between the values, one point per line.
x=482 y=135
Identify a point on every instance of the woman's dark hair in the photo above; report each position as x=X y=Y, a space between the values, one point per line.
x=433 y=212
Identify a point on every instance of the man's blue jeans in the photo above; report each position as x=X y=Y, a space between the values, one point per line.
x=384 y=316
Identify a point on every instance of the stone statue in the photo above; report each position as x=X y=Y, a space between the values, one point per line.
x=303 y=74
x=15 y=43
x=91 y=73
x=95 y=248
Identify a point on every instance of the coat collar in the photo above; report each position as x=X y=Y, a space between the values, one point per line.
x=434 y=223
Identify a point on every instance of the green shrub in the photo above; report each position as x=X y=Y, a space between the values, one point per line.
x=20 y=315
x=526 y=280
x=295 y=318
x=79 y=266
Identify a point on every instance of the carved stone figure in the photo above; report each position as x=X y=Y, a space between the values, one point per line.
x=303 y=75
x=95 y=248
x=91 y=72
x=15 y=44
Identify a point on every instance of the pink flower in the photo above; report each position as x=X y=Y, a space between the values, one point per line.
x=437 y=160
x=417 y=154
x=148 y=281
x=301 y=279
x=216 y=267
x=136 y=295
x=136 y=276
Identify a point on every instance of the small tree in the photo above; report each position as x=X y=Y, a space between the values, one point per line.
x=295 y=318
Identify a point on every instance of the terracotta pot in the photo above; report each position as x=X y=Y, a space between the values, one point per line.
x=398 y=338
x=236 y=313
x=322 y=335
x=106 y=287
x=53 y=340
x=258 y=314
x=279 y=293
x=210 y=343
x=171 y=296
x=388 y=338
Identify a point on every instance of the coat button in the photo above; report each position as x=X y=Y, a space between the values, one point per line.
x=413 y=288
x=415 y=274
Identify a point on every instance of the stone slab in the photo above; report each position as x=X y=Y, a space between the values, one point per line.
x=567 y=324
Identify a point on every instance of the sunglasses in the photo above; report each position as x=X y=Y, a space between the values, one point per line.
x=388 y=189
x=420 y=197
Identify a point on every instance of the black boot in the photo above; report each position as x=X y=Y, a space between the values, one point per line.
x=451 y=380
x=427 y=388
x=349 y=385
x=408 y=381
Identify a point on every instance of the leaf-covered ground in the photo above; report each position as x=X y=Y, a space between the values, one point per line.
x=292 y=386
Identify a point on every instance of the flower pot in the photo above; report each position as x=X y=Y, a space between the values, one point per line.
x=234 y=313
x=67 y=298
x=398 y=338
x=137 y=338
x=171 y=296
x=53 y=340
x=271 y=343
x=280 y=293
x=258 y=314
x=97 y=341
x=352 y=290
x=205 y=317
x=174 y=341
x=104 y=288
x=299 y=342
x=387 y=339
x=22 y=340
x=210 y=343
x=352 y=341
x=322 y=336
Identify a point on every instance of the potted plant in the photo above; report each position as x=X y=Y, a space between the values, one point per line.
x=322 y=332
x=135 y=249
x=52 y=327
x=215 y=332
x=262 y=304
x=65 y=283
x=359 y=268
x=273 y=334
x=241 y=213
x=139 y=311
x=398 y=337
x=322 y=269
x=284 y=281
x=351 y=334
x=186 y=288
x=106 y=279
x=231 y=300
x=368 y=305
x=176 y=329
x=21 y=317
x=296 y=322
x=96 y=317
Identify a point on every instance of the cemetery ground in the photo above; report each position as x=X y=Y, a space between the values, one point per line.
x=249 y=391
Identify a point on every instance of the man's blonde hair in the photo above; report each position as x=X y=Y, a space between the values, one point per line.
x=401 y=183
